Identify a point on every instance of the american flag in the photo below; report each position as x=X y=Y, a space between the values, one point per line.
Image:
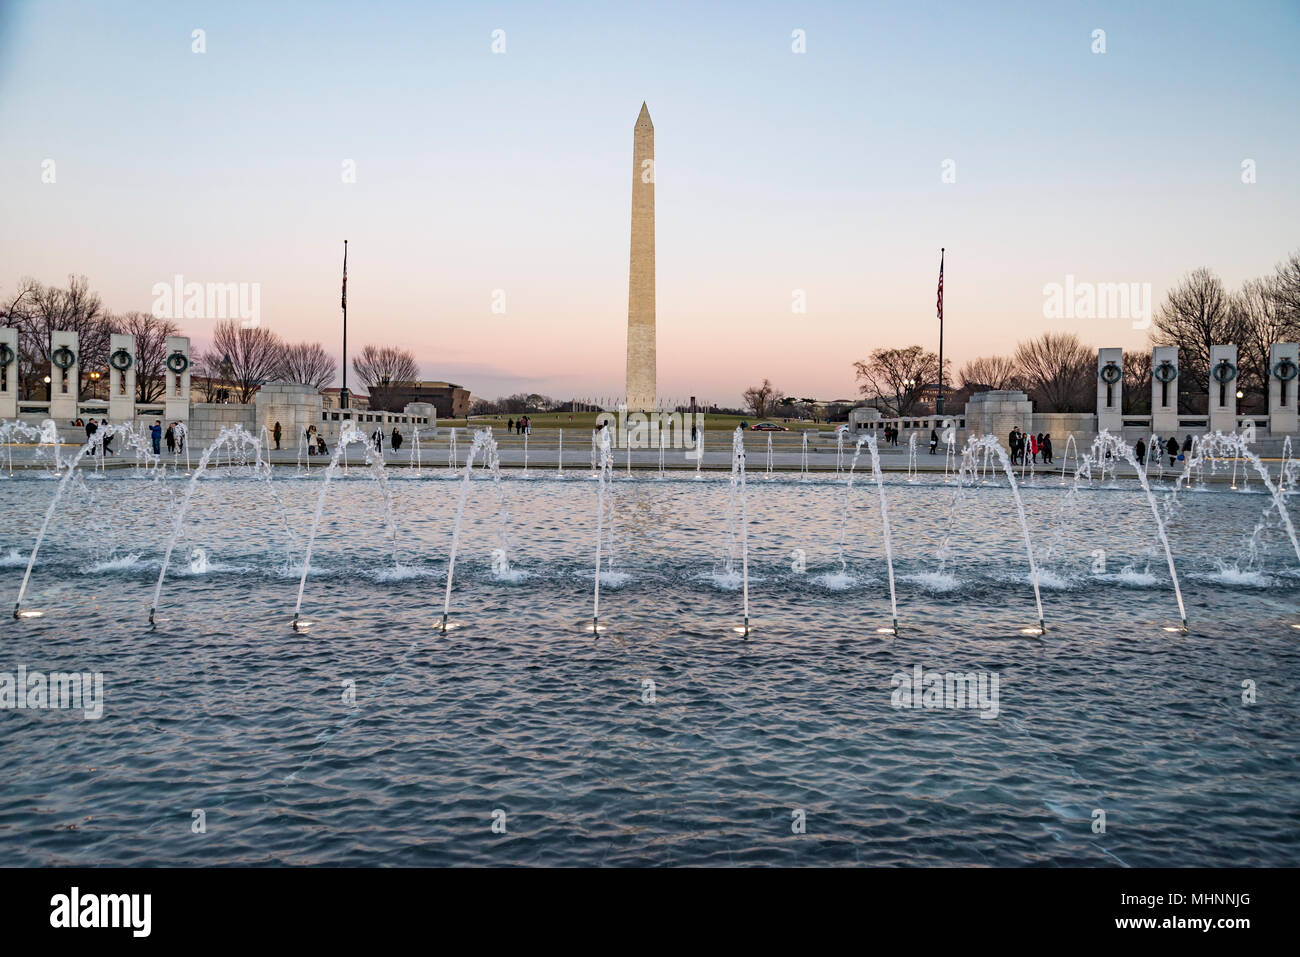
x=939 y=303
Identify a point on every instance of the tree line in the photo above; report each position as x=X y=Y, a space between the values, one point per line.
x=1058 y=370
x=240 y=360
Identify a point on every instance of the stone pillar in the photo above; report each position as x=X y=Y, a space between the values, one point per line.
x=121 y=378
x=423 y=410
x=64 y=382
x=641 y=371
x=178 y=379
x=8 y=373
x=1110 y=390
x=295 y=407
x=1283 y=383
x=1223 y=389
x=997 y=413
x=864 y=419
x=1164 y=394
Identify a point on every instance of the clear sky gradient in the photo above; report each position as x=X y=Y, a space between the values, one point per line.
x=775 y=171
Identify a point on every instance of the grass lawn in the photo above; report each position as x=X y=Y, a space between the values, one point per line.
x=587 y=421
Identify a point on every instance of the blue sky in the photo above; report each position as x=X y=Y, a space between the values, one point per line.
x=775 y=171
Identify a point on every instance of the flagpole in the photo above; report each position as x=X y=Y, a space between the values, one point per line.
x=938 y=403
x=343 y=393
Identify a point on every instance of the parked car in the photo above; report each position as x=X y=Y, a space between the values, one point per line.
x=768 y=427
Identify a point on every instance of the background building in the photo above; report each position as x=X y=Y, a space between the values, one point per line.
x=450 y=400
x=330 y=399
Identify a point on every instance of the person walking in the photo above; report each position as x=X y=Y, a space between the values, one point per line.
x=1140 y=452
x=1187 y=445
x=155 y=435
x=108 y=437
x=1047 y=448
x=379 y=441
x=934 y=441
x=170 y=437
x=1011 y=443
x=397 y=439
x=510 y=424
x=1172 y=449
x=275 y=434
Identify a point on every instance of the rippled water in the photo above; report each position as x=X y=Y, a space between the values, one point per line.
x=517 y=709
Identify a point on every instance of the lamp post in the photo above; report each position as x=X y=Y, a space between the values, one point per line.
x=49 y=390
x=94 y=384
x=907 y=387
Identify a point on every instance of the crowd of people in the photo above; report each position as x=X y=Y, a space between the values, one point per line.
x=316 y=444
x=174 y=436
x=1026 y=447
x=1171 y=448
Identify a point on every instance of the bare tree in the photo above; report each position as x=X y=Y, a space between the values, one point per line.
x=384 y=369
x=308 y=363
x=37 y=310
x=1196 y=314
x=1058 y=370
x=1265 y=311
x=759 y=398
x=150 y=351
x=1284 y=292
x=897 y=377
x=990 y=373
x=245 y=358
x=1136 y=399
x=206 y=377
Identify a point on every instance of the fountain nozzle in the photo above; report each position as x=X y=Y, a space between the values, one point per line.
x=746 y=635
x=151 y=621
x=444 y=623
x=895 y=621
x=17 y=606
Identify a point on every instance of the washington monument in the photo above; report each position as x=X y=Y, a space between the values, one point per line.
x=641 y=271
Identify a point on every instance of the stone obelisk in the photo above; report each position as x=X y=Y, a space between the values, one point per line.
x=641 y=271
